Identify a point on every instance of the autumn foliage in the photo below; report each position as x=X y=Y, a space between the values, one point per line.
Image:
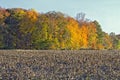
x=28 y=29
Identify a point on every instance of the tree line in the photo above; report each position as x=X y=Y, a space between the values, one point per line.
x=29 y=29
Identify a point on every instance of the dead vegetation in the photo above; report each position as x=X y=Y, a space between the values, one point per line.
x=59 y=65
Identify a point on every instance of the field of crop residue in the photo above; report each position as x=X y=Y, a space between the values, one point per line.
x=59 y=65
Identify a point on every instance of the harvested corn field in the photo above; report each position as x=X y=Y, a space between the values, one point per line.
x=59 y=65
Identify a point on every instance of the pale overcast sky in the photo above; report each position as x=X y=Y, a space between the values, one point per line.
x=106 y=12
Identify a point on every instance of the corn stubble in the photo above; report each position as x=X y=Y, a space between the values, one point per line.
x=59 y=65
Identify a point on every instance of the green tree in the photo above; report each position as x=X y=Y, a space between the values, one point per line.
x=115 y=40
x=100 y=35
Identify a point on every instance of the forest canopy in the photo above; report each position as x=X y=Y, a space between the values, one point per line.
x=29 y=29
